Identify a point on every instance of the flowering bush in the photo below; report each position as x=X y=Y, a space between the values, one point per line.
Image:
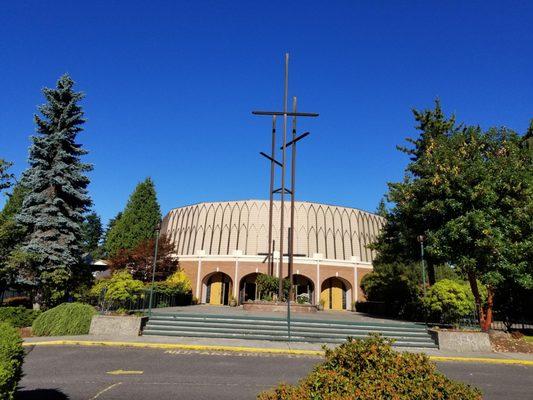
x=370 y=369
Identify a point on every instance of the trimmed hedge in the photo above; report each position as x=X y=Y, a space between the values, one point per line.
x=65 y=319
x=11 y=359
x=19 y=317
x=370 y=369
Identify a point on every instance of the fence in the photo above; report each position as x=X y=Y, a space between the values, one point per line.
x=140 y=301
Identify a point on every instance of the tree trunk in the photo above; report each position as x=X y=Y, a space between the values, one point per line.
x=477 y=297
x=488 y=311
x=485 y=312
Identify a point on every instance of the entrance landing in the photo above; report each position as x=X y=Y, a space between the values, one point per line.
x=347 y=316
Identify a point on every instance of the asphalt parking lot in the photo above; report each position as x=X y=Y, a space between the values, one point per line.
x=90 y=373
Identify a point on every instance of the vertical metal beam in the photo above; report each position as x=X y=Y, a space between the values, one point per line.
x=271 y=203
x=285 y=95
x=293 y=188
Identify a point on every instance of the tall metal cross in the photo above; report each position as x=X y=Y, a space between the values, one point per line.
x=283 y=190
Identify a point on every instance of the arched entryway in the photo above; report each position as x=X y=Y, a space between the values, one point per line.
x=303 y=285
x=336 y=294
x=248 y=288
x=217 y=289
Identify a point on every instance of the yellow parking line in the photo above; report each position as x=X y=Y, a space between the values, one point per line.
x=243 y=349
x=124 y=372
x=482 y=360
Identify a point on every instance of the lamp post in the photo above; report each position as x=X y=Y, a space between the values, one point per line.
x=421 y=239
x=156 y=230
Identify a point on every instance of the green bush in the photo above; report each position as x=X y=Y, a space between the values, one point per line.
x=449 y=301
x=18 y=317
x=395 y=285
x=370 y=369
x=11 y=359
x=119 y=289
x=65 y=319
x=268 y=286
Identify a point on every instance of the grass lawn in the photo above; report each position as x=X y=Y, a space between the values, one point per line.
x=529 y=339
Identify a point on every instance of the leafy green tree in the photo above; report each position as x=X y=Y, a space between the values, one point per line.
x=470 y=193
x=484 y=196
x=137 y=222
x=92 y=235
x=57 y=199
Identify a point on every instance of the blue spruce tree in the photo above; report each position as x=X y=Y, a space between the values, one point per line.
x=53 y=209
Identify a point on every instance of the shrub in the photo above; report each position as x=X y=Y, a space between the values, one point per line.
x=449 y=301
x=11 y=359
x=268 y=286
x=119 y=289
x=65 y=319
x=180 y=281
x=370 y=369
x=302 y=298
x=18 y=317
x=396 y=285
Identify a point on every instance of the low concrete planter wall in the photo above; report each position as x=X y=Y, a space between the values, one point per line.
x=460 y=341
x=117 y=325
x=279 y=307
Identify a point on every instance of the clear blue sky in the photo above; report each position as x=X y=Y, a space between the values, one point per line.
x=170 y=86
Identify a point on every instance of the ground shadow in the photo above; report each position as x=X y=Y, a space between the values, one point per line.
x=41 y=394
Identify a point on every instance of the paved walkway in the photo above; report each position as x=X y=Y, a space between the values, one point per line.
x=259 y=346
x=238 y=311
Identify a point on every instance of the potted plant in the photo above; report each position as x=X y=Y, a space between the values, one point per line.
x=232 y=301
x=321 y=304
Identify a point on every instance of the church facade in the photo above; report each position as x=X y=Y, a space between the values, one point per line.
x=222 y=247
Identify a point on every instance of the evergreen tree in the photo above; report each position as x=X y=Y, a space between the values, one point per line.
x=52 y=211
x=11 y=235
x=410 y=216
x=137 y=222
x=5 y=177
x=92 y=235
x=381 y=210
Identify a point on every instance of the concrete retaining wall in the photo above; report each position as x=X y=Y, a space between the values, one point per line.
x=459 y=341
x=116 y=325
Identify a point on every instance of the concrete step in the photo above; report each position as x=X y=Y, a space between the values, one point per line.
x=294 y=322
x=284 y=338
x=275 y=328
x=325 y=330
x=282 y=332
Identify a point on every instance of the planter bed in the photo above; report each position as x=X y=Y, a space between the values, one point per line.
x=266 y=306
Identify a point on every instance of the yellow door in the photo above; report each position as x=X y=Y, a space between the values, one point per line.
x=324 y=295
x=336 y=294
x=332 y=294
x=216 y=290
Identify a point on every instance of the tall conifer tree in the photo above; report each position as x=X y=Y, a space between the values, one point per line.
x=137 y=222
x=53 y=209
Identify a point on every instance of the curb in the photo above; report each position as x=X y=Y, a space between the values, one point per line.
x=243 y=349
x=175 y=346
